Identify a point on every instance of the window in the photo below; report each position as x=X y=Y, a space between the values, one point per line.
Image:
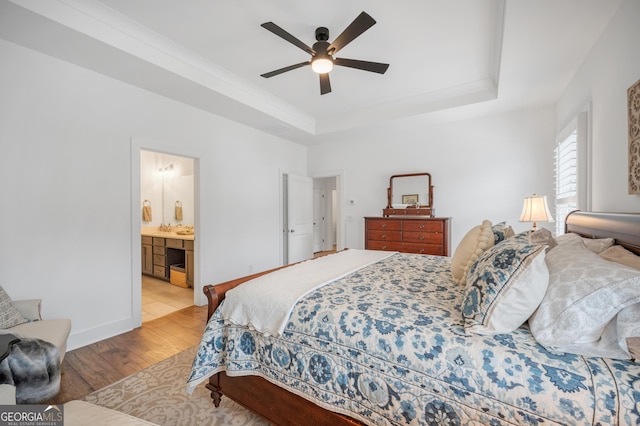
x=572 y=184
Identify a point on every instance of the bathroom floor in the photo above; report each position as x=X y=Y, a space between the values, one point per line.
x=160 y=298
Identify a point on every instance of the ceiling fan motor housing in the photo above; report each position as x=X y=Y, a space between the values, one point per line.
x=320 y=47
x=322 y=34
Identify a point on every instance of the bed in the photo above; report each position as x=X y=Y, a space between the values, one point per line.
x=391 y=343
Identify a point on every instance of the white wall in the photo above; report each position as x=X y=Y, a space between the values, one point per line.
x=610 y=69
x=481 y=168
x=70 y=141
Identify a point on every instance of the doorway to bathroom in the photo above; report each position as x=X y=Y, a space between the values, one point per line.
x=167 y=195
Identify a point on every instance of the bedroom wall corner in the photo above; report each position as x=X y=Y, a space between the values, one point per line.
x=611 y=67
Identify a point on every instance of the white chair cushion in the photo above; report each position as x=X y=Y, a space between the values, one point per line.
x=55 y=331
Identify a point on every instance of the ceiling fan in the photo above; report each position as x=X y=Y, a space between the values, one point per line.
x=322 y=60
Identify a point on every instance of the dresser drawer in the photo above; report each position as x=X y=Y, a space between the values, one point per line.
x=158 y=259
x=423 y=237
x=158 y=250
x=173 y=243
x=384 y=225
x=395 y=212
x=159 y=271
x=157 y=241
x=432 y=249
x=423 y=225
x=384 y=245
x=384 y=235
x=147 y=240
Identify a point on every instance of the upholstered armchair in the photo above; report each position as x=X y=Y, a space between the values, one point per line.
x=32 y=374
x=55 y=331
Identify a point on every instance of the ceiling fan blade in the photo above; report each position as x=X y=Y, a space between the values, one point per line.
x=325 y=84
x=285 y=35
x=378 y=67
x=285 y=69
x=359 y=25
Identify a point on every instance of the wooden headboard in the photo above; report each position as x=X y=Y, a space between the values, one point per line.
x=623 y=227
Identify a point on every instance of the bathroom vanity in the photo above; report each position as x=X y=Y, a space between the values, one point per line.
x=161 y=250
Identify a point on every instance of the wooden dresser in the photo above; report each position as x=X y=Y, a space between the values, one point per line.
x=408 y=234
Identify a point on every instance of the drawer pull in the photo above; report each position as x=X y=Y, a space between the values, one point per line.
x=421 y=226
x=384 y=235
x=384 y=225
x=421 y=250
x=421 y=237
x=384 y=247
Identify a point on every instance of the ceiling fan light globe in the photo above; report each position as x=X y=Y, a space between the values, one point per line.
x=322 y=65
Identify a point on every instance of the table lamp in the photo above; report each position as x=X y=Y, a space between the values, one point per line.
x=535 y=209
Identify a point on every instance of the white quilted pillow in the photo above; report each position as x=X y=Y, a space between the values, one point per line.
x=621 y=255
x=596 y=245
x=585 y=295
x=473 y=244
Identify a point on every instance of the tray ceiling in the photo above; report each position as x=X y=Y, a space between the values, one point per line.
x=482 y=55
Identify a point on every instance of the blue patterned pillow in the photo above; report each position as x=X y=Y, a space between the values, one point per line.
x=501 y=232
x=505 y=286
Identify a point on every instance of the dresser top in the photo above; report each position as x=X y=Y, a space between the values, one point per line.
x=400 y=217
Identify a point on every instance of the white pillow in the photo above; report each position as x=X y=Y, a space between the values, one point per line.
x=621 y=255
x=596 y=245
x=585 y=296
x=473 y=244
x=504 y=286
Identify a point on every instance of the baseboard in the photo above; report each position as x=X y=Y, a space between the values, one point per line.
x=82 y=338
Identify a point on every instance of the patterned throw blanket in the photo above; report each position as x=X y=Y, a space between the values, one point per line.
x=33 y=367
x=386 y=345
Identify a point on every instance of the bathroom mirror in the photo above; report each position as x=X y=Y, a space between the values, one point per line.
x=167 y=182
x=410 y=194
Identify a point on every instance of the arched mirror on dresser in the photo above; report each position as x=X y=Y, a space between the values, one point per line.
x=410 y=194
x=408 y=223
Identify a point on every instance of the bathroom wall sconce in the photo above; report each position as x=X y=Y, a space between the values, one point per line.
x=166 y=171
x=535 y=209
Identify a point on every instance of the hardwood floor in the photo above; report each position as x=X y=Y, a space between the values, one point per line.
x=167 y=329
x=94 y=366
x=324 y=253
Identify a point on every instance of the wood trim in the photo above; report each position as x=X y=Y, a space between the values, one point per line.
x=274 y=403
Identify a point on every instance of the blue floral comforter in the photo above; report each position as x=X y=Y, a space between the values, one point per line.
x=386 y=345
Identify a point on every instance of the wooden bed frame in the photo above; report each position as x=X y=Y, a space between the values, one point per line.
x=284 y=408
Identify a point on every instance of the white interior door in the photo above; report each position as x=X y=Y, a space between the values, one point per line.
x=318 y=219
x=300 y=218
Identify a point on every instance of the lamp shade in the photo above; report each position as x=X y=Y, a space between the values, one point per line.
x=535 y=209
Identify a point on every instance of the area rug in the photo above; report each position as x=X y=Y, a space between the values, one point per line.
x=158 y=394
